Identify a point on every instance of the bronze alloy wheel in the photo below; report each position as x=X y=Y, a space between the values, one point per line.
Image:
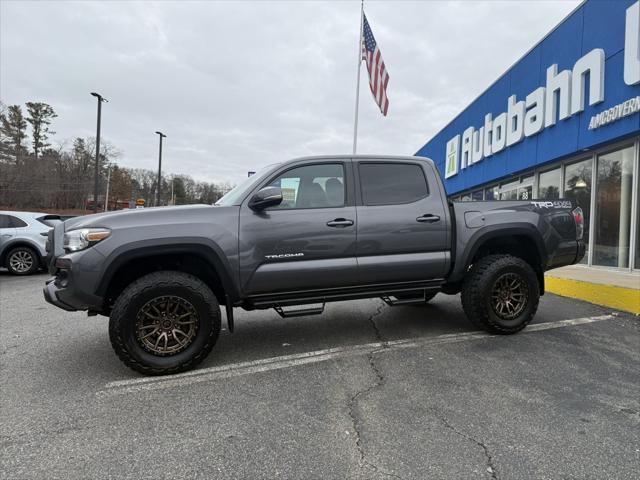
x=166 y=325
x=509 y=296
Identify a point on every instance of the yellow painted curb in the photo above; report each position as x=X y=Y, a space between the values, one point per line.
x=620 y=298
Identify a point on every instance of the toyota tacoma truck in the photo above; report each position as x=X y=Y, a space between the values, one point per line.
x=297 y=235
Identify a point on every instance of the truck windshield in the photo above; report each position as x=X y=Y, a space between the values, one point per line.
x=233 y=196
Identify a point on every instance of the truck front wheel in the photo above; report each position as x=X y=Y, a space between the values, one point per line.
x=165 y=322
x=500 y=294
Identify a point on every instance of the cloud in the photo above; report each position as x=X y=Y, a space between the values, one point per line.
x=238 y=85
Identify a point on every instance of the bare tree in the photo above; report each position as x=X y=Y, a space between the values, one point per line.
x=62 y=177
x=121 y=185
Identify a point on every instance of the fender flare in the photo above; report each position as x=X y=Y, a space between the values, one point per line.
x=204 y=248
x=496 y=231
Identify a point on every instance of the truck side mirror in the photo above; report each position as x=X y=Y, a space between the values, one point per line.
x=266 y=197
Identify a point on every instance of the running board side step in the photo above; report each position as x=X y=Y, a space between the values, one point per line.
x=298 y=312
x=394 y=302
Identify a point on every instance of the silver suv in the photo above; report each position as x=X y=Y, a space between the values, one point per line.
x=23 y=239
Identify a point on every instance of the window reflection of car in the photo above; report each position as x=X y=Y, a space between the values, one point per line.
x=23 y=239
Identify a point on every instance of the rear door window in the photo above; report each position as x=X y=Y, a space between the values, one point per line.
x=18 y=223
x=5 y=221
x=9 y=221
x=392 y=183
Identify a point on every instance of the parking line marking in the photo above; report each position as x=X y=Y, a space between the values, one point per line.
x=286 y=361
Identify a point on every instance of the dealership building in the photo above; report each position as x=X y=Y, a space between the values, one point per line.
x=562 y=122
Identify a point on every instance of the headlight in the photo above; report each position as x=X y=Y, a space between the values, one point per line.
x=76 y=240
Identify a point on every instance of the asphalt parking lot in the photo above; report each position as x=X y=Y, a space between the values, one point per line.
x=362 y=391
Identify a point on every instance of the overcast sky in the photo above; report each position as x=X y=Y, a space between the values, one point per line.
x=240 y=84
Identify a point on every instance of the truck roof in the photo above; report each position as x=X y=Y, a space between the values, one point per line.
x=398 y=158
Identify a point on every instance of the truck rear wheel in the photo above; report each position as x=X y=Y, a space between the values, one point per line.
x=500 y=294
x=165 y=322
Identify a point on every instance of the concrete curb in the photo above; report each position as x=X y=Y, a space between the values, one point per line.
x=620 y=298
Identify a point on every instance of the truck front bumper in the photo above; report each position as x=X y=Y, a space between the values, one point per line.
x=72 y=286
x=50 y=292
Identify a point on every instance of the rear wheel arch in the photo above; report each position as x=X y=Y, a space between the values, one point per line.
x=524 y=242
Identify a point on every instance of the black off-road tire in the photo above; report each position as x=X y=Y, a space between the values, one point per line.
x=24 y=253
x=479 y=285
x=123 y=331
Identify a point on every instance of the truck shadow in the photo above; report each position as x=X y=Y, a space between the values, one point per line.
x=264 y=334
x=84 y=351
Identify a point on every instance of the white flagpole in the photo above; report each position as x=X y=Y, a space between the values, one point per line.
x=355 y=123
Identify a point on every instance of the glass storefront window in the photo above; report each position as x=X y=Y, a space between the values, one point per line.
x=520 y=193
x=526 y=178
x=491 y=193
x=577 y=187
x=549 y=185
x=509 y=185
x=637 y=264
x=613 y=217
x=517 y=190
x=509 y=191
x=509 y=195
x=525 y=193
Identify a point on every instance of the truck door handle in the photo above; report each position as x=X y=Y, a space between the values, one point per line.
x=340 y=223
x=428 y=218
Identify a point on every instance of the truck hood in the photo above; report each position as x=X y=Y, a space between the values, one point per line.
x=145 y=217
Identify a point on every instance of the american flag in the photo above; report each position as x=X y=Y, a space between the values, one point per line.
x=378 y=76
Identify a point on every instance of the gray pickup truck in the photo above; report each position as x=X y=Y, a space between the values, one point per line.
x=297 y=235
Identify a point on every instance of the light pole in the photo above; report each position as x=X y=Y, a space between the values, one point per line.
x=162 y=135
x=106 y=195
x=97 y=173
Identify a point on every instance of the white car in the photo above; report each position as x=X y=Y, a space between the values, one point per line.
x=23 y=239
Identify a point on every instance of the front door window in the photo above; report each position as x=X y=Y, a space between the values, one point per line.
x=311 y=186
